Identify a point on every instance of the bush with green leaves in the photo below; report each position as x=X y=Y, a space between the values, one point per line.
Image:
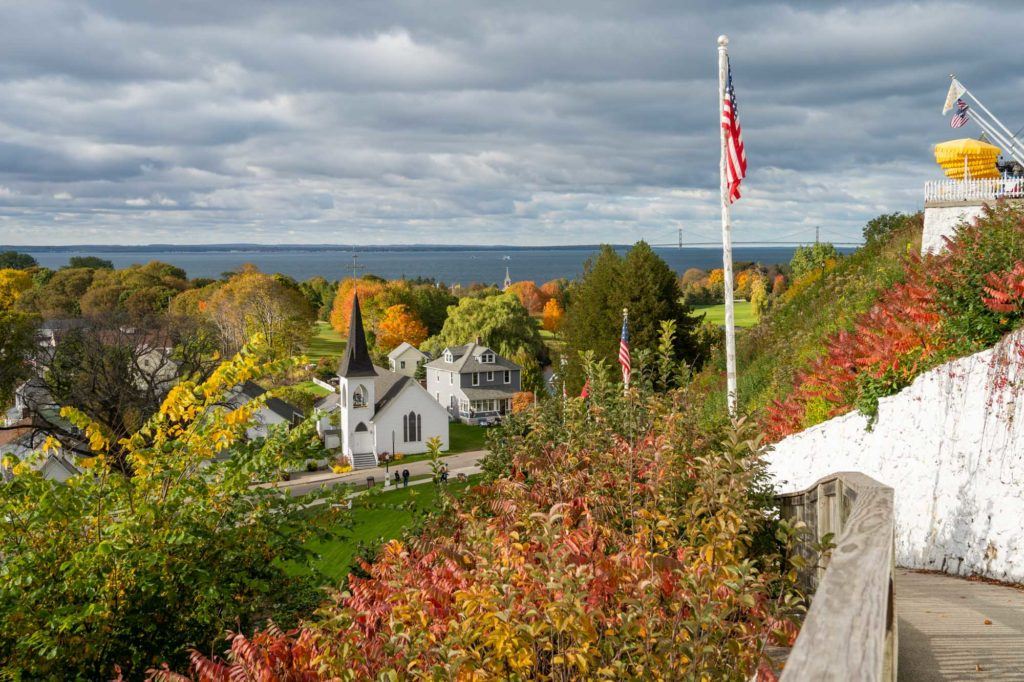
x=109 y=570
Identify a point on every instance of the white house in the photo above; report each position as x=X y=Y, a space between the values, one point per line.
x=406 y=359
x=381 y=411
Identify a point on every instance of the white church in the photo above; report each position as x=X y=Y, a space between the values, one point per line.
x=380 y=411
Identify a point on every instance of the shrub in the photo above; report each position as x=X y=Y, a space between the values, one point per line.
x=615 y=541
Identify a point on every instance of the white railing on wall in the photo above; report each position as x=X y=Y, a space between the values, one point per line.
x=973 y=190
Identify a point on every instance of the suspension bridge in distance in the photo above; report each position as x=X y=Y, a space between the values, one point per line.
x=801 y=237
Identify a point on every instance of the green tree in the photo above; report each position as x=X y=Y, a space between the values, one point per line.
x=16 y=260
x=17 y=342
x=59 y=296
x=431 y=304
x=500 y=322
x=94 y=262
x=812 y=257
x=109 y=570
x=641 y=282
x=879 y=228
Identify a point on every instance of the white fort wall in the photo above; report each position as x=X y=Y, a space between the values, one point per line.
x=952 y=447
x=943 y=221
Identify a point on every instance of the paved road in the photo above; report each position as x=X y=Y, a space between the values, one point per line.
x=303 y=483
x=943 y=634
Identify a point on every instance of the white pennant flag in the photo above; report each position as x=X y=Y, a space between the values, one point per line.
x=955 y=91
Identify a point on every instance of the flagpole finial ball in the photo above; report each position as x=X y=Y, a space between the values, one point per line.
x=723 y=40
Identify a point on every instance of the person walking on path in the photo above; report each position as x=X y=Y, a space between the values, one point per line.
x=405 y=478
x=397 y=478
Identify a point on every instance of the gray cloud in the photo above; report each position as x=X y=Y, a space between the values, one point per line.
x=535 y=122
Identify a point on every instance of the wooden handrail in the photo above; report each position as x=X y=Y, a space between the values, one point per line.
x=850 y=632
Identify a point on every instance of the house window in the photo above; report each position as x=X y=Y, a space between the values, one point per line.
x=490 y=376
x=476 y=378
x=412 y=427
x=359 y=397
x=508 y=377
x=451 y=377
x=403 y=364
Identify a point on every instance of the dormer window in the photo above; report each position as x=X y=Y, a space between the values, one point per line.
x=487 y=358
x=448 y=356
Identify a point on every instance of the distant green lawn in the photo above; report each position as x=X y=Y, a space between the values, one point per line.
x=326 y=343
x=744 y=311
x=376 y=519
x=310 y=387
x=465 y=438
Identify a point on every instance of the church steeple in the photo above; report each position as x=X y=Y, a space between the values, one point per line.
x=508 y=280
x=356 y=362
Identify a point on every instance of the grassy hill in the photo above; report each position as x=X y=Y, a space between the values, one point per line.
x=866 y=325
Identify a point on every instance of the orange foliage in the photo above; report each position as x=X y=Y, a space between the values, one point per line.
x=553 y=316
x=343 y=301
x=400 y=324
x=521 y=401
x=529 y=295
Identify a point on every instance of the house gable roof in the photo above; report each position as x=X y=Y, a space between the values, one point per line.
x=286 y=411
x=402 y=348
x=467 y=359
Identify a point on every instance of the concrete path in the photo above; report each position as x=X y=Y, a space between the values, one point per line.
x=943 y=634
x=303 y=483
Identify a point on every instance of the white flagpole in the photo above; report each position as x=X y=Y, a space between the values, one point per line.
x=1008 y=139
x=730 y=319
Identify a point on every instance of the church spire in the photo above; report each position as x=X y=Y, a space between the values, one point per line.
x=508 y=280
x=356 y=362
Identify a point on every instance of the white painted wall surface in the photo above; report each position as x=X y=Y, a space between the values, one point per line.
x=942 y=222
x=388 y=420
x=952 y=447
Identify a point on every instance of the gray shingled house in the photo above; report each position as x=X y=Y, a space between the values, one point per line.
x=473 y=383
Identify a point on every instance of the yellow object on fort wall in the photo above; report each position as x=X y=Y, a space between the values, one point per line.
x=980 y=159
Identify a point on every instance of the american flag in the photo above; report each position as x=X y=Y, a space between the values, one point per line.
x=624 y=350
x=960 y=117
x=735 y=155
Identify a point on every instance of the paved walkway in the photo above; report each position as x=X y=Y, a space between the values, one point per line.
x=956 y=629
x=303 y=483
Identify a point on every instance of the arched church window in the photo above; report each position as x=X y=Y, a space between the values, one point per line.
x=361 y=427
x=412 y=427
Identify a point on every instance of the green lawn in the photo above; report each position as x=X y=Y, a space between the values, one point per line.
x=325 y=343
x=375 y=519
x=310 y=387
x=465 y=438
x=745 y=316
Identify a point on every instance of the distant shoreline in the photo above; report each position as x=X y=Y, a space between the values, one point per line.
x=299 y=248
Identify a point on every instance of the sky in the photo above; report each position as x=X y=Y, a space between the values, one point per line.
x=472 y=122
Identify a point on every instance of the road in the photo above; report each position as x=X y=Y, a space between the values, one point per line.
x=956 y=629
x=303 y=482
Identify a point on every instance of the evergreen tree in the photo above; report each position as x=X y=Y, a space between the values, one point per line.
x=641 y=282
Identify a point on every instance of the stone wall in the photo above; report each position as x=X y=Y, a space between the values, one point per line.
x=942 y=219
x=952 y=447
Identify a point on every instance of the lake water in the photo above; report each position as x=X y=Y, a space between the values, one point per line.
x=448 y=265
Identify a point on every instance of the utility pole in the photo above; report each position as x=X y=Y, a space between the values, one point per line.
x=817 y=229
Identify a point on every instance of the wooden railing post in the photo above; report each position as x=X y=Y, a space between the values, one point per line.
x=850 y=632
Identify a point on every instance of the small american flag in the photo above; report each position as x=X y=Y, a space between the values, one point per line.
x=960 y=117
x=735 y=155
x=624 y=350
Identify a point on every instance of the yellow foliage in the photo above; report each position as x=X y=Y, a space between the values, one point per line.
x=13 y=283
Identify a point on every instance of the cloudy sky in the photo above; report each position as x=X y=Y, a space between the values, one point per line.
x=321 y=121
